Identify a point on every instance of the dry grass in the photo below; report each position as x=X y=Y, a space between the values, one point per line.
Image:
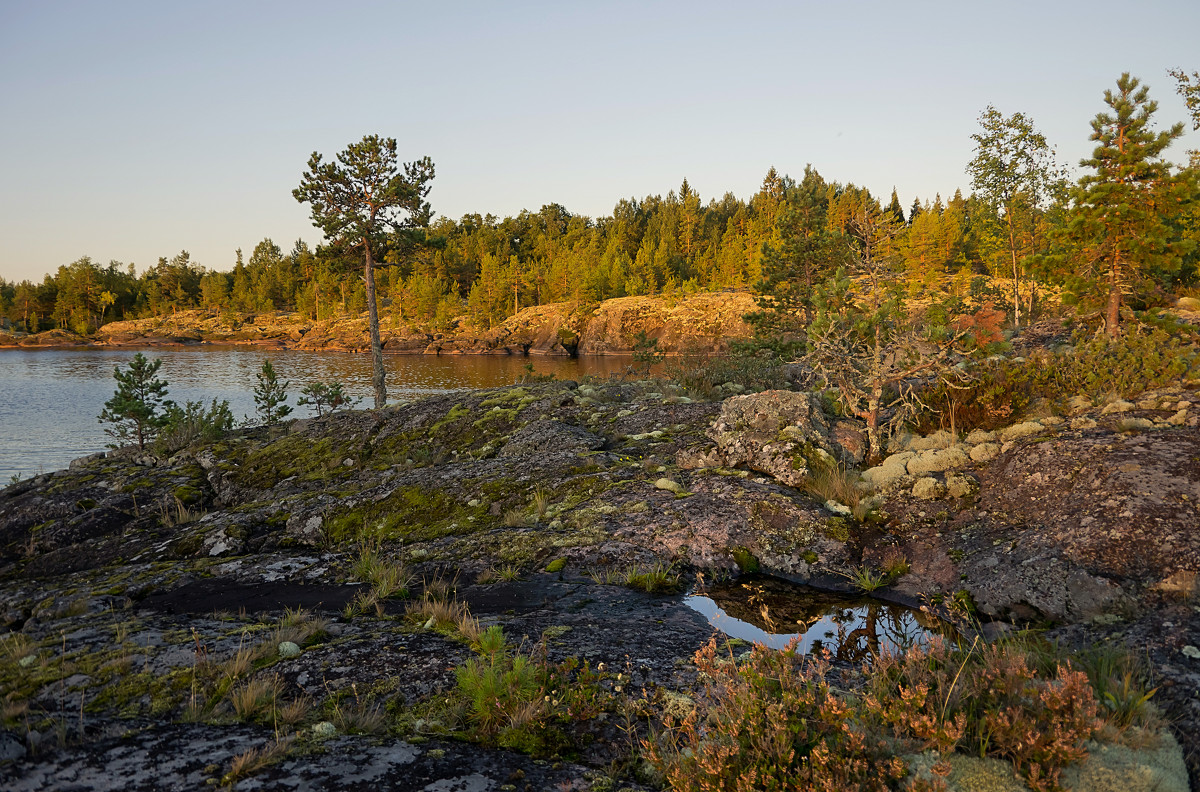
x=838 y=484
x=12 y=708
x=515 y=518
x=360 y=716
x=256 y=698
x=506 y=573
x=252 y=761
x=294 y=712
x=541 y=502
x=439 y=588
x=445 y=614
x=658 y=578
x=176 y=513
x=468 y=626
x=364 y=602
x=387 y=578
x=239 y=664
x=16 y=647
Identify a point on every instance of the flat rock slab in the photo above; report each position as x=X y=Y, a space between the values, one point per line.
x=190 y=757
x=221 y=594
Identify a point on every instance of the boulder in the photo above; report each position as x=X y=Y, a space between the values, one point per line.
x=781 y=433
x=1034 y=587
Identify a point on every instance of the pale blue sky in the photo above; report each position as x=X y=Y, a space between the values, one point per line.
x=132 y=130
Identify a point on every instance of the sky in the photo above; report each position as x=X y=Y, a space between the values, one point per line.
x=131 y=131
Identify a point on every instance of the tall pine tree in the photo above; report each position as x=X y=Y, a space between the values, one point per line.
x=1121 y=221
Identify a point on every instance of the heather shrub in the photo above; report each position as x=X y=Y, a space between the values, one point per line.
x=769 y=722
x=992 y=701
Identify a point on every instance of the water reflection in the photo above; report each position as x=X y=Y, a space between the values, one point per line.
x=49 y=398
x=773 y=612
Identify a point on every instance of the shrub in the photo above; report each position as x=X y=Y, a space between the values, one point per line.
x=991 y=701
x=325 y=397
x=1001 y=393
x=770 y=721
x=185 y=425
x=703 y=375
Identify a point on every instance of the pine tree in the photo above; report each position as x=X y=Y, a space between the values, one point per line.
x=1122 y=209
x=270 y=396
x=134 y=408
x=806 y=252
x=356 y=200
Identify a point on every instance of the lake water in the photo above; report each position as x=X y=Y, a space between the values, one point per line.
x=49 y=398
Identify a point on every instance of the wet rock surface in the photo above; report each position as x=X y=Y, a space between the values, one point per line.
x=122 y=576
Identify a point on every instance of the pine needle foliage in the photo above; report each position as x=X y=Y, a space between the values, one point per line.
x=136 y=408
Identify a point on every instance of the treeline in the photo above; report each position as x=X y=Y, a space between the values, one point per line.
x=788 y=235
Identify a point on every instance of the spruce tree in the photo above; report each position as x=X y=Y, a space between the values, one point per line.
x=134 y=409
x=894 y=207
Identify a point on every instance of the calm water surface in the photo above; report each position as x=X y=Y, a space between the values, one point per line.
x=49 y=398
x=774 y=613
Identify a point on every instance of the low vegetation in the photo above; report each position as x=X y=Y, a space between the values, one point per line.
x=772 y=718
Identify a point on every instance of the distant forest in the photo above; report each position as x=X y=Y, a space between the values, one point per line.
x=487 y=268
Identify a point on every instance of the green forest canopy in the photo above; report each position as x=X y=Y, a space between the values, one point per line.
x=487 y=268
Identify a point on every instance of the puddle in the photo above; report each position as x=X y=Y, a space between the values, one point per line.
x=774 y=612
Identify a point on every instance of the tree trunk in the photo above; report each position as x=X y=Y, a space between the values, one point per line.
x=1112 y=314
x=373 y=323
x=1012 y=245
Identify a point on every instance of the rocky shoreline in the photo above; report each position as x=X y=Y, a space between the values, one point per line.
x=127 y=578
x=702 y=322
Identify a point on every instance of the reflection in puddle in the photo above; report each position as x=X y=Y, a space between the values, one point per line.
x=773 y=612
